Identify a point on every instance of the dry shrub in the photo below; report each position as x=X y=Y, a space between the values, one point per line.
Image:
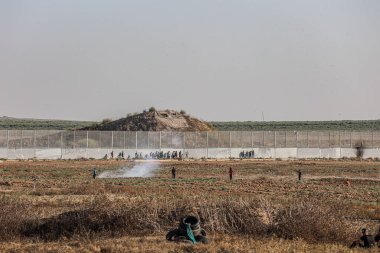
x=13 y=213
x=312 y=221
x=309 y=220
x=241 y=216
x=139 y=217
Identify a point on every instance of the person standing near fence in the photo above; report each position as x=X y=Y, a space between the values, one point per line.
x=173 y=172
x=299 y=175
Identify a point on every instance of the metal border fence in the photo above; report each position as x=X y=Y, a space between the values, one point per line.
x=12 y=142
x=45 y=139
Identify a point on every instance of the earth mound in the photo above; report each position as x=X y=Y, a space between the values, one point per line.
x=166 y=120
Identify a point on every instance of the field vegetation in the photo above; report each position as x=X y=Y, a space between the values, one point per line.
x=348 y=125
x=41 y=124
x=56 y=206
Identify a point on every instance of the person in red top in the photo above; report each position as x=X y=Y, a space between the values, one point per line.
x=231 y=172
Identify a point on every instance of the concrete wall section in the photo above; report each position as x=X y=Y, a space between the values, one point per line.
x=305 y=153
x=218 y=153
x=371 y=153
x=333 y=153
x=286 y=153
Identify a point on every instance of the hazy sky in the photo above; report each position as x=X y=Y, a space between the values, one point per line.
x=218 y=60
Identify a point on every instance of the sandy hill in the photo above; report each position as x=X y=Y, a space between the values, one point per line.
x=167 y=120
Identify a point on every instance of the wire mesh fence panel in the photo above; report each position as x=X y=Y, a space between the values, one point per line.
x=269 y=139
x=130 y=140
x=105 y=139
x=54 y=138
x=3 y=138
x=324 y=139
x=258 y=139
x=177 y=140
x=367 y=139
x=195 y=140
x=118 y=139
x=313 y=139
x=142 y=140
x=201 y=140
x=291 y=139
x=356 y=138
x=236 y=139
x=28 y=139
x=246 y=139
x=223 y=139
x=94 y=139
x=281 y=139
x=68 y=140
x=14 y=139
x=334 y=139
x=302 y=139
x=153 y=140
x=213 y=139
x=166 y=139
x=376 y=139
x=190 y=139
x=42 y=139
x=80 y=138
x=345 y=139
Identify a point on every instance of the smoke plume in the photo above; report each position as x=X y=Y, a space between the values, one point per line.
x=144 y=169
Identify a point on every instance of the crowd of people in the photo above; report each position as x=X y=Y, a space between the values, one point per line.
x=158 y=155
x=246 y=154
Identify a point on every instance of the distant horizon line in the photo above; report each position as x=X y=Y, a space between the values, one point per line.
x=256 y=121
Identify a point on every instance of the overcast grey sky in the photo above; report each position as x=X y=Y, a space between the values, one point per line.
x=218 y=60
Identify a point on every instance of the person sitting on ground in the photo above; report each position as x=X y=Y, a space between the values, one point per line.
x=366 y=240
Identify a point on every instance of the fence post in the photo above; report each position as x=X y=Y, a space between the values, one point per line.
x=319 y=140
x=340 y=146
x=48 y=139
x=329 y=139
x=136 y=141
x=251 y=139
x=286 y=142
x=275 y=139
x=350 y=139
x=61 y=144
x=34 y=142
x=21 y=141
x=160 y=140
x=112 y=140
x=296 y=144
x=372 y=140
x=86 y=139
x=124 y=140
x=263 y=139
x=275 y=143
x=230 y=145
x=184 y=141
x=206 y=145
x=307 y=138
x=7 y=140
x=74 y=139
x=148 y=141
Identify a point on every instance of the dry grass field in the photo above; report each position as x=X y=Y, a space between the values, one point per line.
x=56 y=206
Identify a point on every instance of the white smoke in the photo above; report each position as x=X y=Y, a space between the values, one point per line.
x=144 y=169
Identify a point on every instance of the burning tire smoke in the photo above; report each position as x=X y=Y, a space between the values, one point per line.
x=145 y=169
